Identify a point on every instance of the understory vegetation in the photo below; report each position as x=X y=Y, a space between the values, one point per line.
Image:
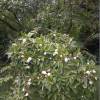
x=46 y=51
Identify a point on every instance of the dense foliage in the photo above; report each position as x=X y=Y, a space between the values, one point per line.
x=39 y=58
x=68 y=16
x=48 y=67
x=79 y=18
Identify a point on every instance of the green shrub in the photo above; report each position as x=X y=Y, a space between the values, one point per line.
x=50 y=67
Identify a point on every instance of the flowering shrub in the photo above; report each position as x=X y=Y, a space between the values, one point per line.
x=50 y=67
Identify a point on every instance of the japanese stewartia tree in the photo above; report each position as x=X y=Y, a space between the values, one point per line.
x=48 y=67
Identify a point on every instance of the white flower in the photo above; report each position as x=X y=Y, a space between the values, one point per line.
x=40 y=45
x=38 y=78
x=48 y=74
x=23 y=89
x=61 y=56
x=90 y=82
x=22 y=56
x=29 y=59
x=23 y=41
x=88 y=72
x=55 y=53
x=17 y=81
x=27 y=67
x=26 y=94
x=56 y=50
x=45 y=53
x=88 y=63
x=14 y=44
x=29 y=83
x=75 y=58
x=54 y=34
x=39 y=59
x=66 y=59
x=30 y=79
x=59 y=15
x=44 y=72
x=95 y=78
x=93 y=71
x=82 y=96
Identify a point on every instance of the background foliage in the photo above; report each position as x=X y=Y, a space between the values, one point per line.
x=80 y=16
